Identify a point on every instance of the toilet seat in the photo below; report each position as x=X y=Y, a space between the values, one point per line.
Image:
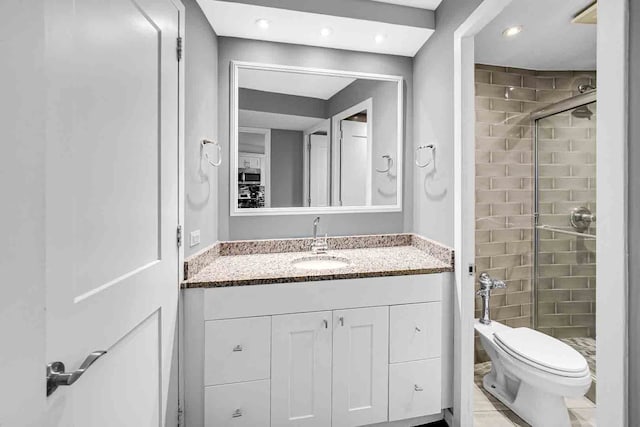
x=542 y=352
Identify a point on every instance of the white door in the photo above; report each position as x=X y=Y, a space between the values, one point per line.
x=301 y=370
x=318 y=170
x=354 y=167
x=360 y=366
x=112 y=207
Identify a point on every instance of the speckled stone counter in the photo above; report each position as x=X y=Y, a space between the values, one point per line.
x=260 y=262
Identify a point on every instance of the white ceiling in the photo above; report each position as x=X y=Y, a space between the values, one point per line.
x=422 y=4
x=260 y=119
x=548 y=41
x=300 y=84
x=287 y=26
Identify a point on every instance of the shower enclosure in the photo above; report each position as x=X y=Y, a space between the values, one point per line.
x=565 y=223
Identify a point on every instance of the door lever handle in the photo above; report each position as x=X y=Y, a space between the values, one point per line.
x=56 y=375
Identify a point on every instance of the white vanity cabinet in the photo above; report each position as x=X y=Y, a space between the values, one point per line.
x=336 y=353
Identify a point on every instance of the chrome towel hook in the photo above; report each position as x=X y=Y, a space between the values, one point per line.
x=424 y=147
x=389 y=164
x=206 y=155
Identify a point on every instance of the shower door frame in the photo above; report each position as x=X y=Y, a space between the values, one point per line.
x=548 y=111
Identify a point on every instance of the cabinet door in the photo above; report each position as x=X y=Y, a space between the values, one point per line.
x=301 y=370
x=360 y=366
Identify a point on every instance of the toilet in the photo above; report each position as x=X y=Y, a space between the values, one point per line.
x=532 y=373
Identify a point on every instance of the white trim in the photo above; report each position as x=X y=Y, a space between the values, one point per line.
x=611 y=246
x=233 y=141
x=336 y=143
x=464 y=189
x=265 y=165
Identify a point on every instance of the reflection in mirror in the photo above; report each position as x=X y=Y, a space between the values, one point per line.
x=309 y=139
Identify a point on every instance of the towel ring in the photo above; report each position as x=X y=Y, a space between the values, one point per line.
x=389 y=164
x=423 y=147
x=206 y=155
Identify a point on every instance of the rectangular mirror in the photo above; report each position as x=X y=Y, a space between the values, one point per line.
x=314 y=141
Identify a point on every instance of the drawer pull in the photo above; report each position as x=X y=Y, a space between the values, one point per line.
x=237 y=413
x=325 y=323
x=341 y=320
x=418 y=329
x=416 y=387
x=237 y=348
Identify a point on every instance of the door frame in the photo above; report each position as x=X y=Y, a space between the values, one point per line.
x=336 y=143
x=265 y=167
x=178 y=341
x=611 y=318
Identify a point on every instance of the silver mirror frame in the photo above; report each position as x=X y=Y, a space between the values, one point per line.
x=236 y=66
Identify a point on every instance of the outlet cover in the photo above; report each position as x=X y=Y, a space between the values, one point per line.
x=194 y=238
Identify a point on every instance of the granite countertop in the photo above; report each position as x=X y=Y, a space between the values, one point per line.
x=262 y=262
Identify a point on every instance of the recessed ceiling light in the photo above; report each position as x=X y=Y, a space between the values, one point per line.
x=380 y=38
x=326 y=32
x=262 y=23
x=512 y=31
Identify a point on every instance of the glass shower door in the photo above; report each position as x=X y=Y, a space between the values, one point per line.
x=565 y=218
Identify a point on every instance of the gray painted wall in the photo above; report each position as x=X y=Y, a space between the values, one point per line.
x=234 y=228
x=270 y=102
x=634 y=218
x=201 y=121
x=385 y=120
x=433 y=106
x=286 y=168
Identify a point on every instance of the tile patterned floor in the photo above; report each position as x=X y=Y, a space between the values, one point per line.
x=489 y=412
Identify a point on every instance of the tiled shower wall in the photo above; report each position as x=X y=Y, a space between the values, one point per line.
x=504 y=181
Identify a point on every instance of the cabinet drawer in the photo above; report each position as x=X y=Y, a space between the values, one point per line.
x=237 y=350
x=237 y=405
x=415 y=332
x=414 y=389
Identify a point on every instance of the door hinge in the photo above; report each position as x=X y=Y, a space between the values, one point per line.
x=180 y=417
x=179 y=48
x=179 y=236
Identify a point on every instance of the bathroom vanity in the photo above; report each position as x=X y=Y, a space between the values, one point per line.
x=273 y=342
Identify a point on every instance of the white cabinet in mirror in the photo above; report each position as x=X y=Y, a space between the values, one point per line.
x=306 y=140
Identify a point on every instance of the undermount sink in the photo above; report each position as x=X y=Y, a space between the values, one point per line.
x=320 y=262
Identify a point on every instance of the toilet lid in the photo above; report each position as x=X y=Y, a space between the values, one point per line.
x=547 y=353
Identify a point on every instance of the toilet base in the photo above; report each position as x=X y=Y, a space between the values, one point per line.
x=535 y=407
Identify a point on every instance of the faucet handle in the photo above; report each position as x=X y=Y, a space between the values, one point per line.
x=499 y=284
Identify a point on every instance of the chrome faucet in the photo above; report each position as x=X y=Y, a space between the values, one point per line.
x=486 y=284
x=318 y=246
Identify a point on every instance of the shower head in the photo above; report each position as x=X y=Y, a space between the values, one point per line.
x=585 y=88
